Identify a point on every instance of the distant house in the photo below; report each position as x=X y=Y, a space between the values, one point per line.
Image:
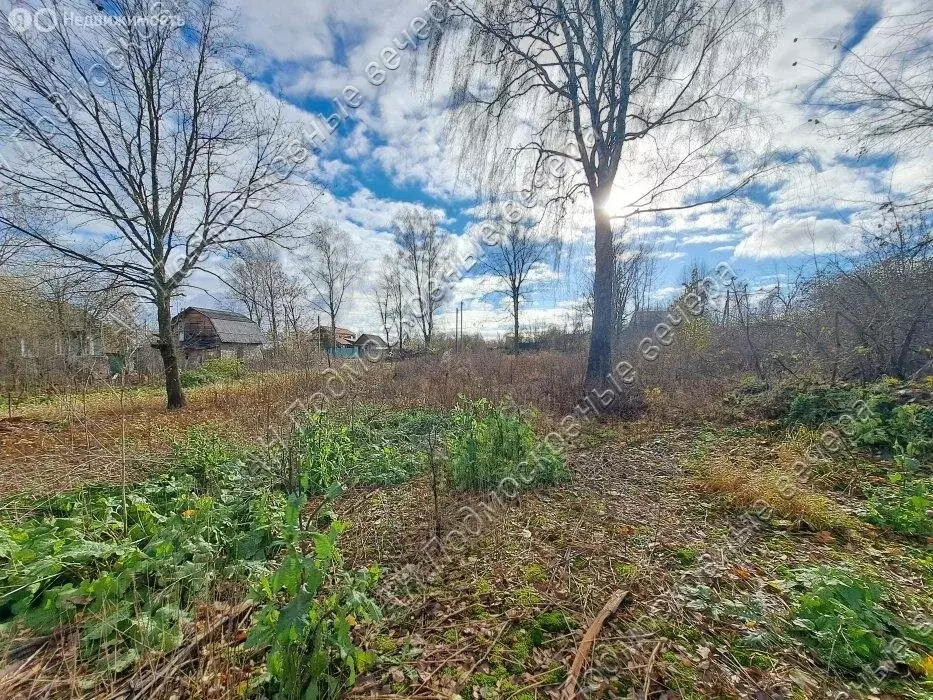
x=370 y=345
x=205 y=333
x=345 y=338
x=52 y=337
x=347 y=343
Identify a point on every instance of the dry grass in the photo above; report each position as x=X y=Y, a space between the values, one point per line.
x=72 y=439
x=771 y=485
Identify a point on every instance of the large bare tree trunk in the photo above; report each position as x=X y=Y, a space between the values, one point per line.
x=176 y=397
x=599 y=362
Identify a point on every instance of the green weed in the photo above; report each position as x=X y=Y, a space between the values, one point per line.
x=310 y=604
x=488 y=445
x=843 y=618
x=903 y=505
x=128 y=568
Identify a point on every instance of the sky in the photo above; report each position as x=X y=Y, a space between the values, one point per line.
x=394 y=149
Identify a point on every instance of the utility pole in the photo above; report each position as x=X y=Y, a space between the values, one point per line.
x=319 y=339
x=456 y=327
x=461 y=321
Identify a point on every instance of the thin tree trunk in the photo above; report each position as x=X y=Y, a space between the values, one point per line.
x=599 y=362
x=173 y=390
x=515 y=316
x=273 y=321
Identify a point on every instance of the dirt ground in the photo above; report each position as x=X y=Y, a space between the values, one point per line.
x=500 y=608
x=630 y=521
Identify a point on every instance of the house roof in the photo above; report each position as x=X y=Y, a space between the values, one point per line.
x=338 y=329
x=369 y=339
x=219 y=314
x=231 y=327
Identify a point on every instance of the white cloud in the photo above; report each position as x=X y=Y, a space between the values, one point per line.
x=805 y=236
x=709 y=238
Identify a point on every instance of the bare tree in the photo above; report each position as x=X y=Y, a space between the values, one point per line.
x=294 y=298
x=387 y=296
x=244 y=276
x=397 y=296
x=595 y=88
x=511 y=259
x=634 y=275
x=331 y=272
x=885 y=89
x=259 y=281
x=424 y=249
x=144 y=132
x=12 y=244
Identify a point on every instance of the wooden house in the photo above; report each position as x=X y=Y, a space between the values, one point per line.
x=205 y=333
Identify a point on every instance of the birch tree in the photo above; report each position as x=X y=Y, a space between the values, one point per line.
x=331 y=271
x=424 y=249
x=511 y=259
x=389 y=298
x=555 y=98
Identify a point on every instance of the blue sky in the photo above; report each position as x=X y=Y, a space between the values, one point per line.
x=394 y=150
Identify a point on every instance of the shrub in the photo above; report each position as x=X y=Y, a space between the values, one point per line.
x=817 y=406
x=224 y=368
x=216 y=369
x=486 y=444
x=903 y=506
x=842 y=617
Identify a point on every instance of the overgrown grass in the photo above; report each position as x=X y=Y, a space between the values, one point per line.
x=216 y=369
x=489 y=444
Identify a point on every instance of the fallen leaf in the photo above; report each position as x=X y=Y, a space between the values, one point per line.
x=926 y=665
